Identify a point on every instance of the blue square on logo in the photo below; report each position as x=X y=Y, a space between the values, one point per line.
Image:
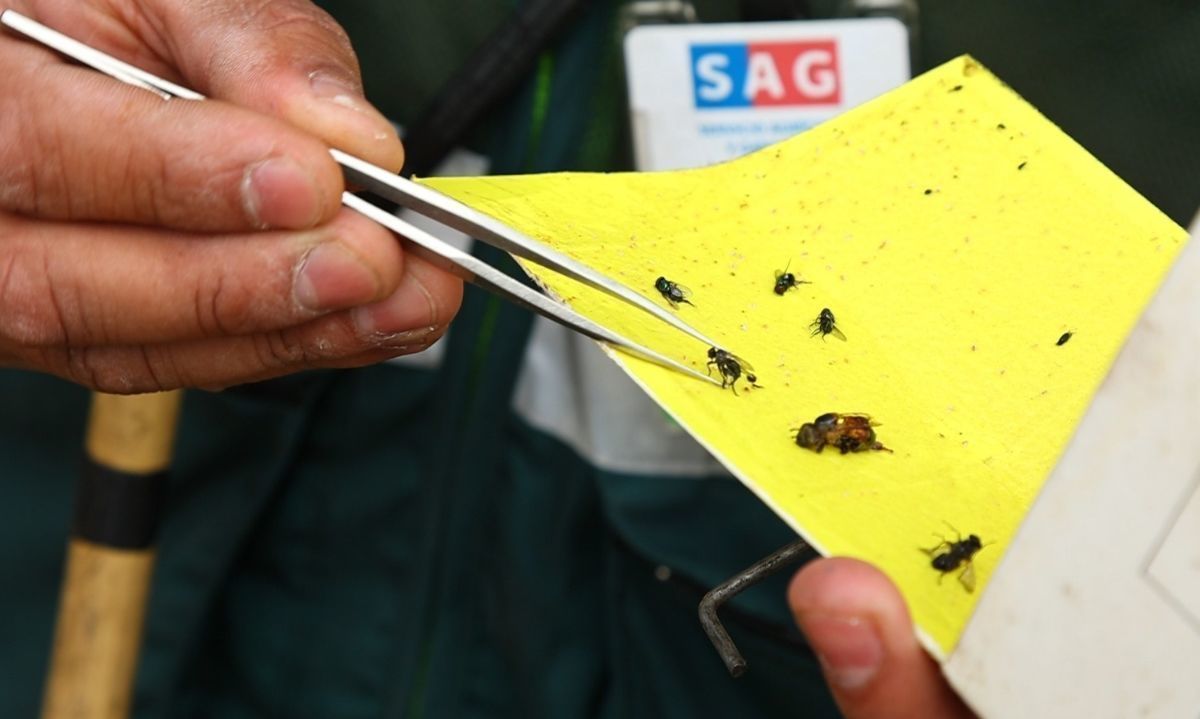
x=719 y=75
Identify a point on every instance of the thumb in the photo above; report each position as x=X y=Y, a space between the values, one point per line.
x=858 y=625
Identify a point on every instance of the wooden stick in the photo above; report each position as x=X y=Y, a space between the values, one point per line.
x=110 y=558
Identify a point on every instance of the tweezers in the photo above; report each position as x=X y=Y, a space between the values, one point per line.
x=430 y=203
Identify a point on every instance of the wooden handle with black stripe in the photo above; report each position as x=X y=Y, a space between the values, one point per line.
x=110 y=557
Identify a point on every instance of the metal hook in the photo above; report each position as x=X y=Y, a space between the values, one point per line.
x=757 y=572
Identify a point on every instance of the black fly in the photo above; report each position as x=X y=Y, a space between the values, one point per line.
x=1066 y=336
x=825 y=324
x=731 y=368
x=785 y=280
x=672 y=292
x=949 y=556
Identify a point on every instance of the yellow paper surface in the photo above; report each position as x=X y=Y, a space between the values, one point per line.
x=955 y=233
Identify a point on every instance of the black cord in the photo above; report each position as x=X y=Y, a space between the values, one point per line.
x=488 y=76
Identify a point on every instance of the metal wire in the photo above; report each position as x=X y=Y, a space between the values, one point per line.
x=760 y=570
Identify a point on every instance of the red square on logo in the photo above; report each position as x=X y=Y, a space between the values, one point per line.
x=793 y=73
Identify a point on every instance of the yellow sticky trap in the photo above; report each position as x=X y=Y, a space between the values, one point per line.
x=955 y=234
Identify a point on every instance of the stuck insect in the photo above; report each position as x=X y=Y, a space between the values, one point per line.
x=826 y=324
x=847 y=432
x=673 y=292
x=948 y=556
x=785 y=280
x=1066 y=337
x=730 y=367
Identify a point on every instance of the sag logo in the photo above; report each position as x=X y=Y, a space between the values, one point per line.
x=766 y=74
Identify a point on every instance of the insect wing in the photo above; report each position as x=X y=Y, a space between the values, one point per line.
x=746 y=366
x=837 y=333
x=683 y=292
x=859 y=419
x=938 y=548
x=967 y=577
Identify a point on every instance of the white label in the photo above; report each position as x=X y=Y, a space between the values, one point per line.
x=701 y=94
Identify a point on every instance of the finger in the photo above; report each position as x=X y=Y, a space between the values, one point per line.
x=410 y=320
x=88 y=285
x=857 y=623
x=85 y=147
x=287 y=58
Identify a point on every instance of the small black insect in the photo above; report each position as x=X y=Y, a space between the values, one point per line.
x=672 y=292
x=1022 y=165
x=956 y=88
x=1066 y=337
x=731 y=368
x=825 y=324
x=785 y=280
x=948 y=556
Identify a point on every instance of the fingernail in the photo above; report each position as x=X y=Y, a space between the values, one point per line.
x=410 y=307
x=279 y=193
x=848 y=648
x=330 y=276
x=405 y=342
x=341 y=91
x=338 y=90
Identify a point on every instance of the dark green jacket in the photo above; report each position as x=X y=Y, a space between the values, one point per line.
x=398 y=541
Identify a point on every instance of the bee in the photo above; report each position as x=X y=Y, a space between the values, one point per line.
x=785 y=280
x=847 y=432
x=672 y=292
x=1066 y=336
x=948 y=556
x=825 y=325
x=731 y=367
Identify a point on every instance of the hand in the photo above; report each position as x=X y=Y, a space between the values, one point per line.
x=859 y=626
x=149 y=244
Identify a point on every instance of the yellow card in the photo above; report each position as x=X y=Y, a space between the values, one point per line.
x=955 y=234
